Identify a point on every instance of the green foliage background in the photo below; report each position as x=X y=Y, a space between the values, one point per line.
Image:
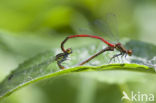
x=31 y=27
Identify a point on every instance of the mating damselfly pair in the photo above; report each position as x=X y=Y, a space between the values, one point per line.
x=61 y=57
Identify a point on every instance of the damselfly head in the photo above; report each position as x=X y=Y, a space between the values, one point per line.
x=69 y=51
x=129 y=52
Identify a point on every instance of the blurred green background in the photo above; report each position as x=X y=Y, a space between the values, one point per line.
x=29 y=27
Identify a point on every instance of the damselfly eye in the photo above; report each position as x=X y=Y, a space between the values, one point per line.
x=69 y=50
x=129 y=52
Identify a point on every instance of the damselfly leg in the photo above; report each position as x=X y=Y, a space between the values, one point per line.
x=116 y=55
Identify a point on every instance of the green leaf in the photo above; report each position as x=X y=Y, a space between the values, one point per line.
x=44 y=66
x=142 y=49
x=143 y=53
x=20 y=78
